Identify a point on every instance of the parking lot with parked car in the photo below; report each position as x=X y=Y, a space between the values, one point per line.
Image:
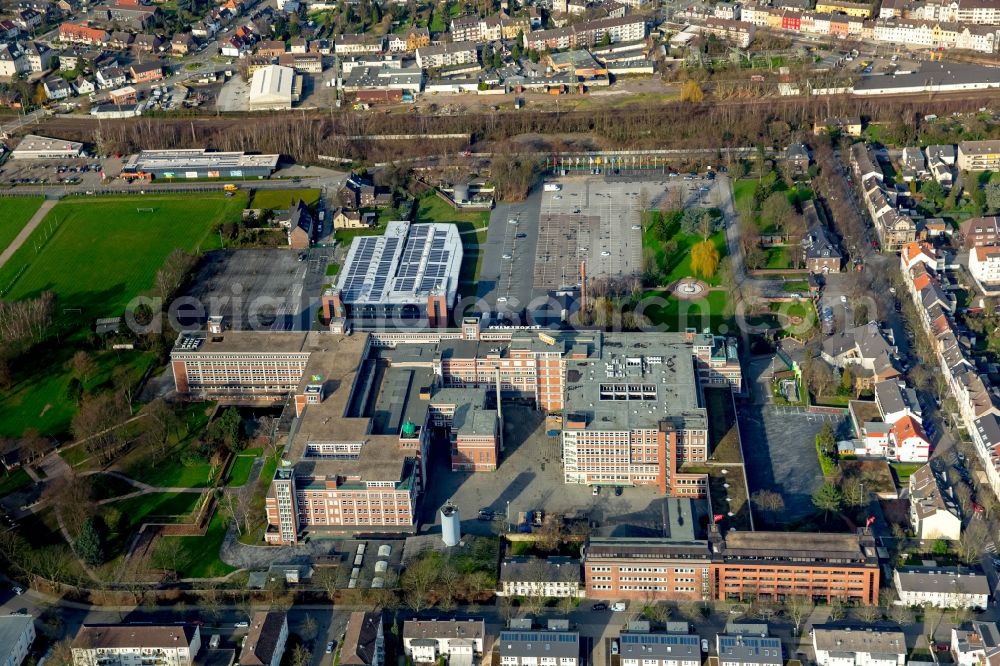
x=16 y=173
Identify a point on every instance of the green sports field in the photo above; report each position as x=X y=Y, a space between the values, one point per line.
x=97 y=253
x=14 y=214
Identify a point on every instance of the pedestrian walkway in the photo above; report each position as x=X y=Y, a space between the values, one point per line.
x=29 y=228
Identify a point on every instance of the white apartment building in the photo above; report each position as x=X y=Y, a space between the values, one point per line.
x=655 y=649
x=861 y=646
x=539 y=648
x=17 y=633
x=265 y=642
x=933 y=512
x=941 y=587
x=136 y=645
x=540 y=577
x=984 y=265
x=447 y=55
x=424 y=641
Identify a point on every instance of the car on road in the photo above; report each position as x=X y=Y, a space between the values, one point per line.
x=18 y=590
x=557 y=197
x=241 y=625
x=521 y=235
x=329 y=647
x=599 y=607
x=618 y=491
x=506 y=256
x=704 y=645
x=618 y=606
x=614 y=647
x=511 y=221
x=597 y=491
x=502 y=299
x=605 y=253
x=636 y=227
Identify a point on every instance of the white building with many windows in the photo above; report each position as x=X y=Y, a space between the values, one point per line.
x=540 y=577
x=984 y=265
x=941 y=587
x=539 y=648
x=135 y=645
x=17 y=633
x=424 y=641
x=862 y=646
x=656 y=649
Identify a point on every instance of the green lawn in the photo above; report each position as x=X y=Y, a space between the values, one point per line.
x=199 y=556
x=38 y=399
x=239 y=472
x=743 y=190
x=106 y=486
x=157 y=504
x=14 y=214
x=437 y=23
x=177 y=469
x=332 y=269
x=275 y=199
x=678 y=315
x=678 y=264
x=128 y=246
x=796 y=287
x=432 y=208
x=13 y=481
x=777 y=257
x=904 y=471
x=125 y=517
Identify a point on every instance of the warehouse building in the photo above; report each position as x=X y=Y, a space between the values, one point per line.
x=34 y=147
x=199 y=163
x=274 y=88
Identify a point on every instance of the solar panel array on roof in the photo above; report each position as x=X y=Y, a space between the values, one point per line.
x=535 y=637
x=403 y=265
x=358 y=270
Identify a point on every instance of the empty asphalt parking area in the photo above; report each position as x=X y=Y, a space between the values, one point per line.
x=779 y=444
x=260 y=289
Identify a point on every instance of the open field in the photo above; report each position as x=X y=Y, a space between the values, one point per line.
x=275 y=199
x=14 y=214
x=115 y=234
x=38 y=399
x=96 y=254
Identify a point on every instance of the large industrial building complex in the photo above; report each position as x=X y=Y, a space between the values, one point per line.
x=367 y=406
x=198 y=163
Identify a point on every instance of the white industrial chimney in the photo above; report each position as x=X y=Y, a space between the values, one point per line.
x=451 y=525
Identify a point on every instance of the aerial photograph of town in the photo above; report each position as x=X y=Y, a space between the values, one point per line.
x=499 y=332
